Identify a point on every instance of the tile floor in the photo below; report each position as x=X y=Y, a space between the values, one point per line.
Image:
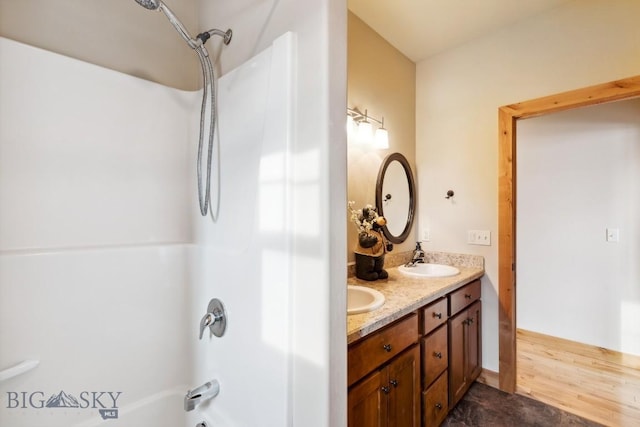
x=485 y=406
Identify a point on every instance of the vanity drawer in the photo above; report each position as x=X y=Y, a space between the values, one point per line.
x=435 y=402
x=463 y=297
x=368 y=354
x=433 y=315
x=435 y=356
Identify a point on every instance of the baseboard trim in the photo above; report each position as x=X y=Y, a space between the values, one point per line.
x=490 y=378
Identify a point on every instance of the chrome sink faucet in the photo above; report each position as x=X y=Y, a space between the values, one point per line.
x=418 y=256
x=206 y=391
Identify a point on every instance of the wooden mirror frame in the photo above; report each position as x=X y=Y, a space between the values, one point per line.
x=412 y=196
x=507 y=116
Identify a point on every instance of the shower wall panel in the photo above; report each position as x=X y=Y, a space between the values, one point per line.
x=94 y=234
x=89 y=156
x=244 y=257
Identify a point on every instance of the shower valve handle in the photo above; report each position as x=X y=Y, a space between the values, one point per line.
x=206 y=321
x=215 y=319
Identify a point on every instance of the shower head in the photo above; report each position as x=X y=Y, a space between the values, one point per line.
x=149 y=4
x=158 y=5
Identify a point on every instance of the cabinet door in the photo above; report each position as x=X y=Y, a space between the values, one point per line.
x=367 y=401
x=404 y=384
x=474 y=353
x=457 y=357
x=465 y=352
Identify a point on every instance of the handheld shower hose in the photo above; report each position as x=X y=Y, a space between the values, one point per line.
x=208 y=94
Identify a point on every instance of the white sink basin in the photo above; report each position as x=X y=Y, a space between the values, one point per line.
x=429 y=270
x=361 y=299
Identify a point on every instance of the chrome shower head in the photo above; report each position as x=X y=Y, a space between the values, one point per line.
x=158 y=5
x=149 y=4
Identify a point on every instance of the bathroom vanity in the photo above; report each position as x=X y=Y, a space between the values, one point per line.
x=410 y=361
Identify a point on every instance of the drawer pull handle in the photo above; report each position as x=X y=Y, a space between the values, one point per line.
x=387 y=347
x=438 y=315
x=467 y=296
x=394 y=383
x=469 y=321
x=385 y=389
x=438 y=355
x=438 y=406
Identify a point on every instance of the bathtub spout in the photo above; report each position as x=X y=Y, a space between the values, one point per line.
x=206 y=391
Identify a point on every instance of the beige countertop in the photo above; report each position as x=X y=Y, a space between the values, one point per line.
x=403 y=294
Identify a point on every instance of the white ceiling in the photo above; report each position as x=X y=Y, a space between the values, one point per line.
x=421 y=28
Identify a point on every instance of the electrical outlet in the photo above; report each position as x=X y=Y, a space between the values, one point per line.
x=426 y=235
x=613 y=234
x=479 y=237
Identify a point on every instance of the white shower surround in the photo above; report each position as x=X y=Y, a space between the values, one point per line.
x=100 y=278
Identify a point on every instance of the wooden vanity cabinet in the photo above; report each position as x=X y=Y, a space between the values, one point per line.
x=385 y=391
x=415 y=370
x=465 y=355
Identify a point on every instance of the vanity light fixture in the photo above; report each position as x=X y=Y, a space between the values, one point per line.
x=365 y=131
x=381 y=140
x=360 y=130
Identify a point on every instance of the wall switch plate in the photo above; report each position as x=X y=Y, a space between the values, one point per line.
x=479 y=237
x=426 y=235
x=613 y=234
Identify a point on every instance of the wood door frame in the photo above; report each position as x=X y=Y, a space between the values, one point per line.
x=507 y=116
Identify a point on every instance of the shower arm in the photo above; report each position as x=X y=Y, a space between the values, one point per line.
x=202 y=38
x=226 y=35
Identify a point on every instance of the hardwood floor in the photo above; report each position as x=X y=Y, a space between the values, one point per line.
x=592 y=382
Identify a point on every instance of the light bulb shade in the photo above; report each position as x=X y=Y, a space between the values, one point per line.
x=381 y=141
x=365 y=133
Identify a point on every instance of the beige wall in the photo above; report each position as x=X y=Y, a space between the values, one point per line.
x=381 y=80
x=578 y=44
x=116 y=34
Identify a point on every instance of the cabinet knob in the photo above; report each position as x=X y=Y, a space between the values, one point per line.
x=469 y=320
x=438 y=315
x=467 y=296
x=385 y=389
x=394 y=383
x=438 y=406
x=438 y=355
x=387 y=347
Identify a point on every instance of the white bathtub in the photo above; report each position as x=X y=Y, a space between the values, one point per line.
x=163 y=409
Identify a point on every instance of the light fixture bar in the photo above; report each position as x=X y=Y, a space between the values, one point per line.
x=361 y=132
x=358 y=117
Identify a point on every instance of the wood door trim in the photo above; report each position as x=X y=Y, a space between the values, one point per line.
x=507 y=117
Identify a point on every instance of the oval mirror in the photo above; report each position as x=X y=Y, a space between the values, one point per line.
x=395 y=197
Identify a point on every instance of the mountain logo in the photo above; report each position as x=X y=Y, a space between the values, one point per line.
x=62 y=400
x=106 y=402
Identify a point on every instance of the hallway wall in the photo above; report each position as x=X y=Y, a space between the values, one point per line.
x=578 y=175
x=578 y=44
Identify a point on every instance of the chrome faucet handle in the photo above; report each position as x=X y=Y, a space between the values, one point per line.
x=206 y=321
x=215 y=319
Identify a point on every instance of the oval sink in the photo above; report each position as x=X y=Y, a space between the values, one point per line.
x=429 y=270
x=361 y=299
